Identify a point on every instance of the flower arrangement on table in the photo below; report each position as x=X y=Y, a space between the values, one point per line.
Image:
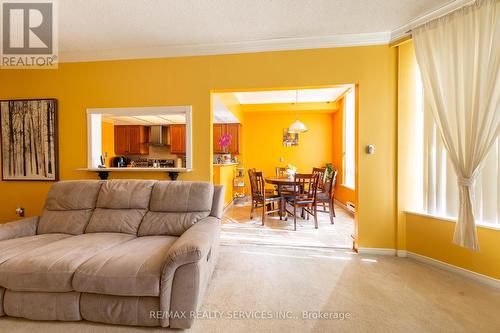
x=291 y=170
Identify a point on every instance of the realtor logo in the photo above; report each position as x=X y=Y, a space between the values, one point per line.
x=28 y=34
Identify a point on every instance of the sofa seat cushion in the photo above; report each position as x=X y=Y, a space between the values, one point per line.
x=13 y=247
x=129 y=269
x=50 y=268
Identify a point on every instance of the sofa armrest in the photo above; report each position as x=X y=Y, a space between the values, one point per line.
x=16 y=229
x=188 y=266
x=193 y=245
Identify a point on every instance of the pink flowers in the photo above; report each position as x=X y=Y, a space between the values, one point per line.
x=225 y=140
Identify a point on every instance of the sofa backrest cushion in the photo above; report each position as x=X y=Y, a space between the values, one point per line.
x=121 y=205
x=176 y=206
x=125 y=194
x=69 y=206
x=218 y=202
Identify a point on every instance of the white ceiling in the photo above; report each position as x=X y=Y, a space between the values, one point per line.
x=145 y=120
x=291 y=96
x=221 y=114
x=98 y=30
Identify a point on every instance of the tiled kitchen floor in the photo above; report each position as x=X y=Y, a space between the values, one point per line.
x=238 y=228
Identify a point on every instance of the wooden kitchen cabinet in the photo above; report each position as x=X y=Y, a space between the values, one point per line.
x=121 y=140
x=178 y=139
x=218 y=132
x=131 y=140
x=234 y=130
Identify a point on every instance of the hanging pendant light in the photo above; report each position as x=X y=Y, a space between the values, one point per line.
x=297 y=126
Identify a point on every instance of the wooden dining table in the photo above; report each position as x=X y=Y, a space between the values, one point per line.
x=280 y=182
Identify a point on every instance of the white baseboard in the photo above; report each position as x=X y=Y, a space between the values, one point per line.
x=382 y=251
x=229 y=205
x=343 y=206
x=457 y=270
x=377 y=251
x=481 y=278
x=402 y=253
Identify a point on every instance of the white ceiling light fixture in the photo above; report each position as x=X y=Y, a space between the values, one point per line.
x=297 y=126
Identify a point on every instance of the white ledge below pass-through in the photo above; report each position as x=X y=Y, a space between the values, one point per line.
x=134 y=169
x=103 y=173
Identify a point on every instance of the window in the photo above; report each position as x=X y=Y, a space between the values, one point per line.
x=439 y=183
x=349 y=140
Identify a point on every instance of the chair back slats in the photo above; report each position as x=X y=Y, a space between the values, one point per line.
x=280 y=172
x=306 y=185
x=330 y=183
x=321 y=177
x=256 y=183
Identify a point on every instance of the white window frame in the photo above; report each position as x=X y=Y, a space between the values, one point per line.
x=439 y=191
x=94 y=117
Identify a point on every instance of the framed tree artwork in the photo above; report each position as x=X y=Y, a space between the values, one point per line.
x=29 y=139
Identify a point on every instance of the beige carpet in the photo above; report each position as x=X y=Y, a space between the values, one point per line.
x=381 y=294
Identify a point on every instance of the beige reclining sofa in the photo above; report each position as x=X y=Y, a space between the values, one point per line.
x=129 y=252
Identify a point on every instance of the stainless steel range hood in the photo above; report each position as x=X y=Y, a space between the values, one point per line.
x=158 y=135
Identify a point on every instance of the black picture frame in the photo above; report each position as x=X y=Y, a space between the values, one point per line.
x=29 y=139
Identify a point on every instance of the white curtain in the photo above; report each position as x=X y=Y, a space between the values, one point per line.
x=459 y=59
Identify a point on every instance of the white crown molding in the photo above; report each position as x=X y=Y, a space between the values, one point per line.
x=405 y=30
x=280 y=44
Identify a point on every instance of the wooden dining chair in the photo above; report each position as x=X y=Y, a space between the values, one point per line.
x=327 y=196
x=269 y=191
x=304 y=197
x=321 y=177
x=285 y=190
x=280 y=172
x=260 y=198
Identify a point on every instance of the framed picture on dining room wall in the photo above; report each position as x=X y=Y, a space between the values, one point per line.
x=290 y=139
x=29 y=140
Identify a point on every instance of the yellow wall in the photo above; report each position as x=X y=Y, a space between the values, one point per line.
x=224 y=175
x=424 y=235
x=189 y=81
x=342 y=193
x=432 y=238
x=407 y=158
x=263 y=139
x=108 y=141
